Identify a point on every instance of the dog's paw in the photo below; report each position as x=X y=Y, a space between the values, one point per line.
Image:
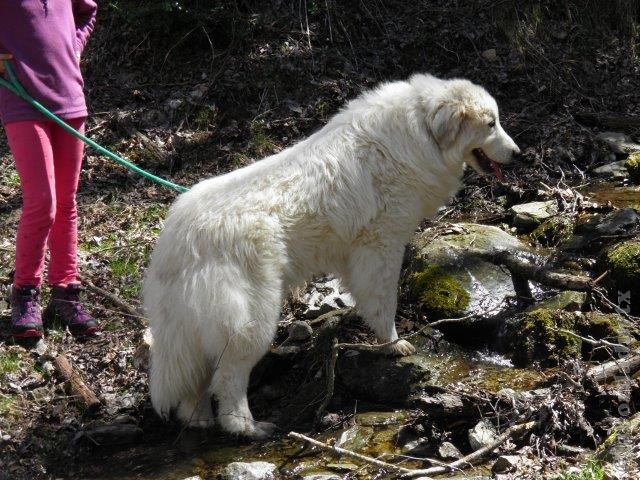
x=247 y=427
x=400 y=348
x=264 y=430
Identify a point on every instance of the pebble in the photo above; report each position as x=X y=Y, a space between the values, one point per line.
x=490 y=54
x=250 y=471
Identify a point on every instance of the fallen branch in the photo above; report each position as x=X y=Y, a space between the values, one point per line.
x=117 y=301
x=340 y=312
x=349 y=453
x=540 y=274
x=616 y=368
x=474 y=456
x=76 y=385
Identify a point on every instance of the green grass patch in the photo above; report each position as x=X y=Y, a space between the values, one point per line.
x=7 y=406
x=261 y=143
x=9 y=176
x=591 y=471
x=9 y=362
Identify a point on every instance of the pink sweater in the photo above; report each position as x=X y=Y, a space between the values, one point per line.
x=45 y=38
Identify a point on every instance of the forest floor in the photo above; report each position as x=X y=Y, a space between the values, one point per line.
x=210 y=101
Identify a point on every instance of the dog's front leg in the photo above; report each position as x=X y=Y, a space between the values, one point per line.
x=372 y=278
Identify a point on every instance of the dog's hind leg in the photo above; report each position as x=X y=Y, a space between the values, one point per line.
x=372 y=278
x=249 y=339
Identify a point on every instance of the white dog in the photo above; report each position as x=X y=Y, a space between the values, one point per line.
x=344 y=201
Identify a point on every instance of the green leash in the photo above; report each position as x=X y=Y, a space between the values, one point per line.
x=14 y=86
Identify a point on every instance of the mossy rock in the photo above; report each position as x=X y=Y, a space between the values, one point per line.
x=600 y=326
x=439 y=293
x=623 y=263
x=553 y=232
x=536 y=338
x=633 y=167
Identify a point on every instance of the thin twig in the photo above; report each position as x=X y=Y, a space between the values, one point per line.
x=111 y=297
x=348 y=453
x=592 y=341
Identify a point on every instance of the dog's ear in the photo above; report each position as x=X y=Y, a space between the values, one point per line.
x=446 y=121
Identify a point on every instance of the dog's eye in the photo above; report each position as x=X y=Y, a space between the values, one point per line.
x=492 y=124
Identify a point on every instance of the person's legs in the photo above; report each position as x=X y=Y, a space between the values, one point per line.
x=63 y=240
x=30 y=143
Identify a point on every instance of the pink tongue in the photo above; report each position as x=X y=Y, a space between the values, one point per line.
x=496 y=170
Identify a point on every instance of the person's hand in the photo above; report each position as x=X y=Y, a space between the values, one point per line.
x=3 y=57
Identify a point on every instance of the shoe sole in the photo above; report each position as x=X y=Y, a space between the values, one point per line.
x=31 y=333
x=49 y=318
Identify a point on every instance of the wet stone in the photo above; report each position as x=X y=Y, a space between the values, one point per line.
x=322 y=476
x=250 y=471
x=375 y=419
x=527 y=216
x=355 y=438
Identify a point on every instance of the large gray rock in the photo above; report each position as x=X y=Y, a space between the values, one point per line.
x=250 y=471
x=486 y=283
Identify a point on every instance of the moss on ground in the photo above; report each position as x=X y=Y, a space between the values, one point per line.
x=623 y=263
x=439 y=293
x=633 y=167
x=538 y=338
x=553 y=232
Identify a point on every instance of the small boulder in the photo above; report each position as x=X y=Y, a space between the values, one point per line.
x=528 y=216
x=482 y=434
x=448 y=451
x=535 y=336
x=250 y=471
x=449 y=280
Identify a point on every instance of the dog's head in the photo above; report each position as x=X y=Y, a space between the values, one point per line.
x=463 y=119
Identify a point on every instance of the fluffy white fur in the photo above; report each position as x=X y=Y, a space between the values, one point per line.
x=344 y=201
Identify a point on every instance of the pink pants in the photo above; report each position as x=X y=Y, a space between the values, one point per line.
x=48 y=160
